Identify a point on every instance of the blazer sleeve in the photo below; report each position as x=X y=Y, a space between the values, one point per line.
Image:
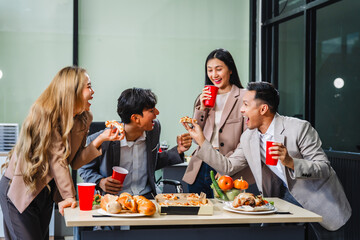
x=314 y=163
x=165 y=158
x=84 y=154
x=199 y=115
x=91 y=172
x=169 y=157
x=224 y=165
x=59 y=169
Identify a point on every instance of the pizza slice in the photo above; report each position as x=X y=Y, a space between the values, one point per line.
x=187 y=119
x=119 y=126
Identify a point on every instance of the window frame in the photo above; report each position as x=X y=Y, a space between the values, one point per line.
x=269 y=42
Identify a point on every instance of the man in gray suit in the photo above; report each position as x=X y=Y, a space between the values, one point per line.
x=303 y=174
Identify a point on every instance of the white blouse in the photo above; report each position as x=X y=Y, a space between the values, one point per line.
x=219 y=107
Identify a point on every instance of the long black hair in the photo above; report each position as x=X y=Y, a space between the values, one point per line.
x=226 y=57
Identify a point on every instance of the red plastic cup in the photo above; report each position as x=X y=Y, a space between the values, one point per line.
x=86 y=195
x=210 y=103
x=119 y=173
x=269 y=157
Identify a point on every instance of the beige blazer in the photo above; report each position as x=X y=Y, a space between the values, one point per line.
x=231 y=127
x=313 y=182
x=80 y=155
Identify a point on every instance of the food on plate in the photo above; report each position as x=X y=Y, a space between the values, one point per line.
x=225 y=182
x=170 y=196
x=113 y=207
x=184 y=204
x=187 y=119
x=241 y=184
x=119 y=126
x=181 y=199
x=217 y=189
x=144 y=205
x=126 y=203
x=188 y=203
x=194 y=197
x=110 y=204
x=232 y=193
x=248 y=199
x=228 y=187
x=96 y=199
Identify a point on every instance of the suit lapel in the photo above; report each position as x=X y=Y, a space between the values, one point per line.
x=279 y=137
x=230 y=103
x=211 y=120
x=255 y=163
x=116 y=153
x=149 y=150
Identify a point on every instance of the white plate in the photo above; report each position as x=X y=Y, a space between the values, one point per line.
x=266 y=209
x=103 y=212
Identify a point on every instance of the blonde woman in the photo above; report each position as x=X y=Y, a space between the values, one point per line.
x=52 y=137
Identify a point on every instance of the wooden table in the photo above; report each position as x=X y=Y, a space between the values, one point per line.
x=221 y=223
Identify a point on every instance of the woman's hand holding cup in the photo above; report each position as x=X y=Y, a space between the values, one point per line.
x=205 y=95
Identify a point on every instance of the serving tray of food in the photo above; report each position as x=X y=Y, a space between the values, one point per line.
x=184 y=204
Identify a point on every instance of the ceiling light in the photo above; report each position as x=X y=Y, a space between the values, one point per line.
x=339 y=83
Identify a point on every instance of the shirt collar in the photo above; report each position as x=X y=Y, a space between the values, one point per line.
x=141 y=139
x=271 y=129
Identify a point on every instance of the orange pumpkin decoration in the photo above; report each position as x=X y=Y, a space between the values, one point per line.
x=241 y=184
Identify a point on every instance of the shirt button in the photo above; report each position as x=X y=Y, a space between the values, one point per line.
x=221 y=144
x=220 y=131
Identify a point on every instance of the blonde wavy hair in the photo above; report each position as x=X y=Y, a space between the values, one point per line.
x=53 y=110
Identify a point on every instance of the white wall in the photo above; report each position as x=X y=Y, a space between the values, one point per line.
x=161 y=45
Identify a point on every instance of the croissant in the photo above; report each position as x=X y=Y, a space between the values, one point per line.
x=127 y=202
x=144 y=205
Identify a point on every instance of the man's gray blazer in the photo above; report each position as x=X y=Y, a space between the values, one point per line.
x=313 y=182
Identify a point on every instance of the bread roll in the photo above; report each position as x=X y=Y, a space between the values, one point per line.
x=106 y=199
x=144 y=205
x=113 y=207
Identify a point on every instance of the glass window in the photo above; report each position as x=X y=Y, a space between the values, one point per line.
x=284 y=6
x=291 y=68
x=338 y=76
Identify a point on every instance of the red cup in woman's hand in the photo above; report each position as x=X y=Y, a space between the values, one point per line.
x=210 y=103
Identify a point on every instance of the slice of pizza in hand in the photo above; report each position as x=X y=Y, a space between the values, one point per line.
x=187 y=119
x=119 y=126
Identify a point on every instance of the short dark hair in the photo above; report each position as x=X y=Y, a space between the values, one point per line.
x=134 y=101
x=267 y=93
x=226 y=57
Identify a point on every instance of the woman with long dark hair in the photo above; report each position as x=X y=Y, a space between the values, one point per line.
x=223 y=124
